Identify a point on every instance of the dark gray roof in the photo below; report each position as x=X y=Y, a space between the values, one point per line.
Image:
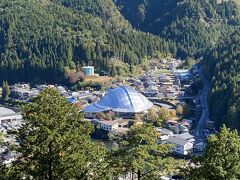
x=164 y=131
x=185 y=136
x=174 y=140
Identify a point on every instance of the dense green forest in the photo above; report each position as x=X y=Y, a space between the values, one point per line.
x=38 y=39
x=223 y=67
x=195 y=25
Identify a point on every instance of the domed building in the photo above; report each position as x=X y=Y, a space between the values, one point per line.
x=122 y=99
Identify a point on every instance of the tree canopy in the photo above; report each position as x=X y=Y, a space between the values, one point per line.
x=141 y=156
x=157 y=116
x=194 y=25
x=222 y=66
x=55 y=142
x=5 y=91
x=221 y=159
x=38 y=39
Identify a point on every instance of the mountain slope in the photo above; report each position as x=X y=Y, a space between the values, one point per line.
x=195 y=25
x=208 y=28
x=223 y=66
x=104 y=9
x=38 y=39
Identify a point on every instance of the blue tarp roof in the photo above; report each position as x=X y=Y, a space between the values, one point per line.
x=71 y=100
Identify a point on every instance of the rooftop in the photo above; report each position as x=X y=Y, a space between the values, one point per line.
x=185 y=136
x=121 y=99
x=5 y=111
x=174 y=140
x=110 y=123
x=164 y=131
x=71 y=100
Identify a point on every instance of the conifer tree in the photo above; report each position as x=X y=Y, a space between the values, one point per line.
x=3 y=169
x=5 y=91
x=141 y=156
x=55 y=142
x=221 y=159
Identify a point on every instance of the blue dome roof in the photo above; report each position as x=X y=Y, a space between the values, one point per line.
x=121 y=99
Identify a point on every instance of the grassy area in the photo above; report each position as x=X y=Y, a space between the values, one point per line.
x=99 y=79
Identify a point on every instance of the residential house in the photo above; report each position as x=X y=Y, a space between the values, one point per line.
x=151 y=91
x=181 y=147
x=186 y=137
x=108 y=125
x=10 y=117
x=164 y=134
x=163 y=78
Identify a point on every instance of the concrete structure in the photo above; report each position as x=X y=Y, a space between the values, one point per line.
x=88 y=70
x=149 y=83
x=181 y=72
x=163 y=78
x=178 y=128
x=61 y=89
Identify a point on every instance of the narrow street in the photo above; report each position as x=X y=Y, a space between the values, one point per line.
x=198 y=133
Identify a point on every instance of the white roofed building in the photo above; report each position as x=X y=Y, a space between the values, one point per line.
x=10 y=118
x=108 y=125
x=122 y=99
x=186 y=137
x=180 y=146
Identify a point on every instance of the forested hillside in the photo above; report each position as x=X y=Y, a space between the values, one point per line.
x=104 y=9
x=223 y=66
x=205 y=28
x=195 y=25
x=38 y=39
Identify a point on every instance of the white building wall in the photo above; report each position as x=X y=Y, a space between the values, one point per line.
x=108 y=127
x=183 y=150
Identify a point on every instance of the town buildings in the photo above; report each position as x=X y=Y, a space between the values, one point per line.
x=9 y=119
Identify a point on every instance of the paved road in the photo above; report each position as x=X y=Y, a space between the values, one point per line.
x=167 y=106
x=198 y=133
